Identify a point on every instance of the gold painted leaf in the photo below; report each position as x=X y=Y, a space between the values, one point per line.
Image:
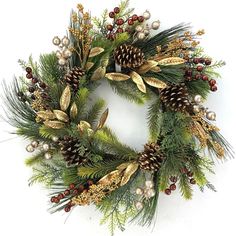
x=146 y=66
x=136 y=77
x=117 y=76
x=61 y=115
x=123 y=166
x=171 y=61
x=95 y=51
x=142 y=87
x=46 y=115
x=155 y=82
x=107 y=178
x=99 y=73
x=83 y=125
x=89 y=65
x=73 y=111
x=103 y=119
x=156 y=69
x=54 y=124
x=65 y=98
x=129 y=171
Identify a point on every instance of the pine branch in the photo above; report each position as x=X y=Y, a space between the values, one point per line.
x=81 y=101
x=185 y=187
x=34 y=160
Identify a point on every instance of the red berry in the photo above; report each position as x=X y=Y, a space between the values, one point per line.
x=130 y=22
x=201 y=60
x=109 y=27
x=134 y=17
x=29 y=76
x=116 y=10
x=112 y=14
x=28 y=70
x=35 y=80
x=67 y=192
x=70 y=204
x=60 y=196
x=212 y=82
x=173 y=179
x=67 y=208
x=168 y=191
x=205 y=77
x=188 y=72
x=214 y=88
x=198 y=76
x=119 y=30
x=199 y=68
x=53 y=199
x=31 y=89
x=56 y=200
x=184 y=170
x=120 y=21
x=140 y=18
x=72 y=186
x=207 y=62
x=81 y=187
x=172 y=187
x=90 y=182
x=192 y=181
x=196 y=60
x=76 y=191
x=190 y=174
x=42 y=85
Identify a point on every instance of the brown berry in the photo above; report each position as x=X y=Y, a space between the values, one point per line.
x=190 y=174
x=29 y=76
x=188 y=72
x=172 y=187
x=60 y=196
x=173 y=179
x=33 y=97
x=213 y=88
x=42 y=85
x=201 y=60
x=134 y=17
x=90 y=182
x=116 y=10
x=72 y=186
x=81 y=187
x=212 y=82
x=184 y=170
x=76 y=191
x=167 y=191
x=140 y=18
x=35 y=80
x=28 y=70
x=205 y=77
x=53 y=199
x=31 y=89
x=198 y=76
x=120 y=21
x=67 y=192
x=196 y=60
x=207 y=62
x=109 y=27
x=67 y=208
x=192 y=181
x=111 y=14
x=199 y=68
x=130 y=22
x=188 y=78
x=56 y=200
x=119 y=30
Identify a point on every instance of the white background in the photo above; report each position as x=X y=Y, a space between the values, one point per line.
x=28 y=27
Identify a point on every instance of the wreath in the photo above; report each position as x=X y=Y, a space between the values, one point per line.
x=76 y=156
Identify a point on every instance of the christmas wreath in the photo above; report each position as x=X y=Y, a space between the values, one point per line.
x=76 y=156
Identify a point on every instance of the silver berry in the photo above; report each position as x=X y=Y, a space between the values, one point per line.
x=56 y=41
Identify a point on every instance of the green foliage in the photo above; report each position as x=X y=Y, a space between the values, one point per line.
x=198 y=87
x=81 y=101
x=185 y=187
x=31 y=161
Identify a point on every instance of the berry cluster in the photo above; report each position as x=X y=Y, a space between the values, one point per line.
x=120 y=24
x=172 y=186
x=72 y=191
x=196 y=69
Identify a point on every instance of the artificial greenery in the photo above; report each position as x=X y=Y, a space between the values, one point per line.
x=67 y=125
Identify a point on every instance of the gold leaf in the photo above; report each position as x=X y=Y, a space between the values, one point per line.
x=129 y=171
x=123 y=166
x=117 y=76
x=83 y=125
x=95 y=51
x=136 y=77
x=103 y=119
x=61 y=115
x=146 y=66
x=54 y=124
x=99 y=73
x=171 y=61
x=105 y=180
x=73 y=111
x=89 y=65
x=156 y=69
x=46 y=115
x=65 y=98
x=155 y=82
x=142 y=87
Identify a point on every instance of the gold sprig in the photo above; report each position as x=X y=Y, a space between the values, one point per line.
x=38 y=104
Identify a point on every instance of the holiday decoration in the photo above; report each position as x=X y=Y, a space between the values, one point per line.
x=73 y=151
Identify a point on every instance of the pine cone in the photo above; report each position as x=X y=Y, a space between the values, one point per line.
x=175 y=97
x=73 y=77
x=128 y=56
x=151 y=158
x=74 y=152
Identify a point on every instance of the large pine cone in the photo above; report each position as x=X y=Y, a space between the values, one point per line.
x=128 y=56
x=74 y=152
x=73 y=77
x=175 y=97
x=151 y=158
